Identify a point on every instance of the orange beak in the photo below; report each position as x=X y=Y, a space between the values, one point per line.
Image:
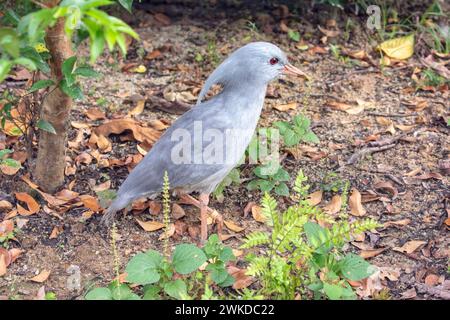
x=291 y=70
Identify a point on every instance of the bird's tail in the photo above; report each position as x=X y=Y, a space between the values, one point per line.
x=118 y=204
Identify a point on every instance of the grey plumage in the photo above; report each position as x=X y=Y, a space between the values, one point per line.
x=244 y=76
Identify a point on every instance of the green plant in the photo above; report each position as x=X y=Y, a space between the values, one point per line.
x=294 y=35
x=431 y=78
x=169 y=276
x=269 y=179
x=232 y=177
x=332 y=182
x=8 y=161
x=297 y=131
x=301 y=255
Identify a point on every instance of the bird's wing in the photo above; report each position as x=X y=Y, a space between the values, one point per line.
x=147 y=177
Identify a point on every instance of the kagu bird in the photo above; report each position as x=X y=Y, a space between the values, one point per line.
x=207 y=142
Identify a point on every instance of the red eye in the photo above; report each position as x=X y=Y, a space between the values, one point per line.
x=273 y=61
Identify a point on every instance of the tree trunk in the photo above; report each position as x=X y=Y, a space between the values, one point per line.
x=50 y=164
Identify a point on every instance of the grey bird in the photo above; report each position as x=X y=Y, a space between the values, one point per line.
x=207 y=142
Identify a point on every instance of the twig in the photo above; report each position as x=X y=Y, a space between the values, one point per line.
x=392 y=115
x=359 y=154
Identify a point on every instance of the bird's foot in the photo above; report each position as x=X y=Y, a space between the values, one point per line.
x=108 y=219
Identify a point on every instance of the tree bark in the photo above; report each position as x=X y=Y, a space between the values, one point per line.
x=50 y=163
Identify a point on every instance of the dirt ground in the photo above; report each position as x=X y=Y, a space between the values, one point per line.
x=415 y=186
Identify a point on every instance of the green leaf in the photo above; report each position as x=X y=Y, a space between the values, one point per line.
x=143 y=268
x=226 y=254
x=46 y=126
x=355 y=268
x=68 y=65
x=311 y=137
x=32 y=54
x=41 y=84
x=176 y=289
x=151 y=292
x=72 y=91
x=227 y=282
x=294 y=35
x=9 y=41
x=127 y=4
x=27 y=63
x=122 y=292
x=266 y=185
x=86 y=72
x=218 y=271
x=99 y=294
x=291 y=138
x=333 y=291
x=187 y=258
x=5 y=67
x=282 y=126
x=282 y=189
x=258 y=172
x=315 y=234
x=4 y=152
x=11 y=163
x=253 y=185
x=281 y=175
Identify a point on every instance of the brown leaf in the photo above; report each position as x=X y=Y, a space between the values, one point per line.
x=315 y=198
x=138 y=109
x=41 y=277
x=95 y=114
x=14 y=254
x=150 y=226
x=241 y=279
x=329 y=33
x=5 y=205
x=430 y=175
x=334 y=206
x=9 y=170
x=2 y=265
x=410 y=246
x=354 y=201
x=40 y=295
x=286 y=107
x=104 y=144
x=102 y=186
x=177 y=211
x=257 y=214
x=169 y=233
x=154 y=207
x=232 y=226
x=118 y=126
x=248 y=208
x=55 y=232
x=90 y=202
x=387 y=186
x=366 y=254
x=153 y=55
x=6 y=226
x=162 y=18
x=398 y=223
x=84 y=158
x=431 y=280
x=32 y=205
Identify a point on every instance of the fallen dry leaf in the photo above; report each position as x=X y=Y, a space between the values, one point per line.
x=177 y=211
x=286 y=107
x=354 y=201
x=169 y=233
x=366 y=254
x=257 y=214
x=90 y=202
x=241 y=279
x=232 y=226
x=410 y=246
x=95 y=114
x=315 y=198
x=118 y=126
x=397 y=223
x=32 y=205
x=2 y=265
x=55 y=232
x=154 y=207
x=150 y=226
x=387 y=186
x=399 y=48
x=431 y=280
x=41 y=277
x=138 y=109
x=334 y=206
x=5 y=205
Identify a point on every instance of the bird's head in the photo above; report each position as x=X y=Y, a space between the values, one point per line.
x=255 y=63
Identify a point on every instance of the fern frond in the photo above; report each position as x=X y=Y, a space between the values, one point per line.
x=255 y=239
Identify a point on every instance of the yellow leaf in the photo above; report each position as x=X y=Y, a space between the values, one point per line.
x=41 y=277
x=399 y=48
x=232 y=226
x=140 y=69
